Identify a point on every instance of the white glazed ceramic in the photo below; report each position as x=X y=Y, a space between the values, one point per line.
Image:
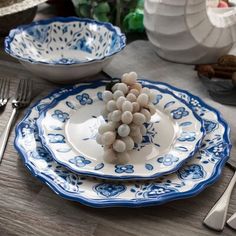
x=187 y=31
x=65 y=49
x=204 y=169
x=68 y=129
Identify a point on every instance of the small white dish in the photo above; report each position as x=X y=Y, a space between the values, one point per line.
x=68 y=129
x=63 y=50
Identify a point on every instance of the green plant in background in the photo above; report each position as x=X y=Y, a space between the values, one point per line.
x=127 y=14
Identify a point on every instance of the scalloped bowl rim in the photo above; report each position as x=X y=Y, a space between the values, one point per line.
x=18 y=30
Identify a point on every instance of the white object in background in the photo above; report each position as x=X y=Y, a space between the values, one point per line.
x=232 y=221
x=188 y=31
x=217 y=216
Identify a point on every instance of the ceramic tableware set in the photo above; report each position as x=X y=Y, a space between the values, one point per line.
x=184 y=150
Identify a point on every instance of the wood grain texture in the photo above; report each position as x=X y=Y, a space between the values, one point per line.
x=27 y=207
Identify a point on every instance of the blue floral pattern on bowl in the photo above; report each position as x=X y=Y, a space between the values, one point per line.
x=78 y=188
x=68 y=38
x=84 y=120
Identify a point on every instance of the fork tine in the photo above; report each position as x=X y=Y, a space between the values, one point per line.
x=7 y=88
x=2 y=84
x=19 y=92
x=29 y=94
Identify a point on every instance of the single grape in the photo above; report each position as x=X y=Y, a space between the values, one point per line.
x=145 y=90
x=138 y=118
x=131 y=97
x=129 y=142
x=127 y=106
x=118 y=94
x=134 y=130
x=143 y=99
x=116 y=115
x=132 y=78
x=104 y=128
x=143 y=130
x=135 y=92
x=138 y=138
x=111 y=105
x=147 y=114
x=123 y=87
x=152 y=97
x=114 y=88
x=151 y=108
x=119 y=146
x=108 y=138
x=127 y=117
x=136 y=107
x=123 y=130
x=119 y=102
x=136 y=86
x=107 y=96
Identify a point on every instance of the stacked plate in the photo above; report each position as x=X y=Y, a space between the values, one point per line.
x=184 y=150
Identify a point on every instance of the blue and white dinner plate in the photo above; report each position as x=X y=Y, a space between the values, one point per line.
x=69 y=125
x=204 y=169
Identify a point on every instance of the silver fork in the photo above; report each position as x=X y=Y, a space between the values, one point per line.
x=4 y=91
x=22 y=99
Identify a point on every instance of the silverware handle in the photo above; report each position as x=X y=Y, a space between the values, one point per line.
x=217 y=216
x=232 y=221
x=5 y=134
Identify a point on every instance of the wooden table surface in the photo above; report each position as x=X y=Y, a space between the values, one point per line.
x=28 y=207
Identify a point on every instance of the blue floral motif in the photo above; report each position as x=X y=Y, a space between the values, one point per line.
x=40 y=107
x=60 y=115
x=56 y=138
x=79 y=161
x=149 y=137
x=209 y=125
x=124 y=169
x=82 y=45
x=149 y=166
x=187 y=136
x=70 y=105
x=153 y=190
x=191 y=172
x=167 y=159
x=99 y=95
x=40 y=153
x=84 y=99
x=219 y=150
x=179 y=113
x=109 y=190
x=158 y=98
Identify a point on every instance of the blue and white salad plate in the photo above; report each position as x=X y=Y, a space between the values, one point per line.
x=69 y=125
x=199 y=172
x=65 y=49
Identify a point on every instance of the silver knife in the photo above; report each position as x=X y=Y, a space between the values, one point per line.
x=216 y=218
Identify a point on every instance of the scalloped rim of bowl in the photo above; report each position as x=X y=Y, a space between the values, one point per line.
x=19 y=29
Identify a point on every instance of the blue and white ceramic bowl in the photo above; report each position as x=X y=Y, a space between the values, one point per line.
x=65 y=49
